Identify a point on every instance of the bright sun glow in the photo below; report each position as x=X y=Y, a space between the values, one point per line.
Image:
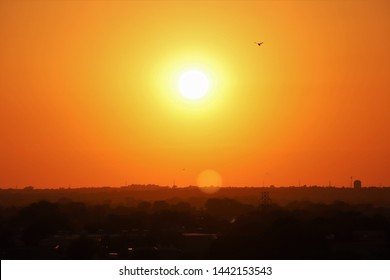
x=193 y=84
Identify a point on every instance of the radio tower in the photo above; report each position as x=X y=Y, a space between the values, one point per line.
x=265 y=200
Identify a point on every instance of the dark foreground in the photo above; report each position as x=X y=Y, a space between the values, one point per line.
x=220 y=228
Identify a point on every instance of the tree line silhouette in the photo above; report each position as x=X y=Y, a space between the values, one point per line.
x=223 y=228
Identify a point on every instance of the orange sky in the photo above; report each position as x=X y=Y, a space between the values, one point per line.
x=88 y=92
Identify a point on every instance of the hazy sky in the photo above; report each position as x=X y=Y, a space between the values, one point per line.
x=89 y=96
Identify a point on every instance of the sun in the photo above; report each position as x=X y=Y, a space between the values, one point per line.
x=193 y=84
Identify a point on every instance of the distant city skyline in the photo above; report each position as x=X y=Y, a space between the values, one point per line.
x=357 y=184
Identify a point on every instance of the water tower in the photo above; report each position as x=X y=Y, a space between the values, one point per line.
x=357 y=184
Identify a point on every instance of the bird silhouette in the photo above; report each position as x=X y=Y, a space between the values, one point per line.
x=259 y=43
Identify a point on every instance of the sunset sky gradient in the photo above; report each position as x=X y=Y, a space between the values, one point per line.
x=88 y=92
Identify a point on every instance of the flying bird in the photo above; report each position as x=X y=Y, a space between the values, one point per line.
x=259 y=43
